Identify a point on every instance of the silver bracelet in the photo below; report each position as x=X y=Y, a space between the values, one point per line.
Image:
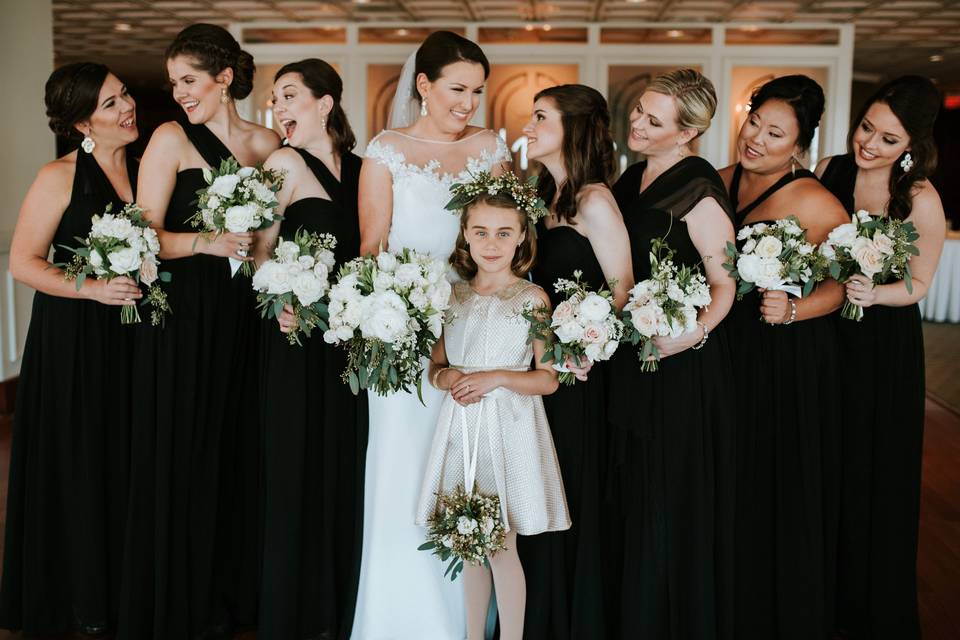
x=793 y=312
x=703 y=341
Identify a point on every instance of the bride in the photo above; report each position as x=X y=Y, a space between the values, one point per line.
x=404 y=186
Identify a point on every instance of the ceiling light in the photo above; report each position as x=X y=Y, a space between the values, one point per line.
x=636 y=1
x=122 y=26
x=529 y=27
x=547 y=27
x=402 y=32
x=936 y=58
x=750 y=27
x=674 y=33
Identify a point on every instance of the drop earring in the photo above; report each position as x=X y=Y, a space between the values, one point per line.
x=88 y=144
x=793 y=165
x=907 y=163
x=423 y=107
x=323 y=122
x=224 y=98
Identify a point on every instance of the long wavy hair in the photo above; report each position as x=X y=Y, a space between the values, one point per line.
x=587 y=149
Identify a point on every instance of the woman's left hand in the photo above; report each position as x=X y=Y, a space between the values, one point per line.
x=473 y=386
x=775 y=307
x=861 y=291
x=580 y=371
x=286 y=319
x=668 y=346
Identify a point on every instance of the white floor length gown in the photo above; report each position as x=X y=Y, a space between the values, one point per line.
x=403 y=593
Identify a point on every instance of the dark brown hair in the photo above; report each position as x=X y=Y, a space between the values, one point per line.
x=323 y=80
x=71 y=96
x=441 y=48
x=523 y=257
x=804 y=96
x=916 y=102
x=214 y=49
x=587 y=149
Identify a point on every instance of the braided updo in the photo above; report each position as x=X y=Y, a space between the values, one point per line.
x=71 y=95
x=214 y=49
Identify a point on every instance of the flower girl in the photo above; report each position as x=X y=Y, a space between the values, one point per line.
x=492 y=472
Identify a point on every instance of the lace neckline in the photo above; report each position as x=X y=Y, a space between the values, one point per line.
x=396 y=161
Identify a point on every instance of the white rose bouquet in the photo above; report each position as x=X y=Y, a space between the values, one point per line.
x=466 y=527
x=775 y=256
x=583 y=328
x=876 y=247
x=665 y=304
x=122 y=244
x=298 y=275
x=237 y=199
x=388 y=311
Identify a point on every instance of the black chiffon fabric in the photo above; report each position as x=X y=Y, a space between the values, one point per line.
x=69 y=462
x=566 y=595
x=882 y=431
x=673 y=439
x=788 y=401
x=315 y=437
x=191 y=567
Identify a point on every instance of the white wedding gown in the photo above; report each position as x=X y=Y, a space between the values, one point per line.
x=403 y=594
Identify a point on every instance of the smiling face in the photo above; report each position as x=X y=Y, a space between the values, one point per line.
x=544 y=131
x=880 y=139
x=454 y=96
x=114 y=122
x=195 y=90
x=653 y=126
x=493 y=233
x=297 y=110
x=768 y=137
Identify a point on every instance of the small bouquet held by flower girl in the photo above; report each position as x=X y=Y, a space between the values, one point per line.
x=388 y=311
x=776 y=256
x=237 y=199
x=298 y=275
x=666 y=304
x=583 y=328
x=466 y=527
x=122 y=244
x=878 y=248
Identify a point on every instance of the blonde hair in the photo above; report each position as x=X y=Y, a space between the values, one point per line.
x=525 y=254
x=695 y=96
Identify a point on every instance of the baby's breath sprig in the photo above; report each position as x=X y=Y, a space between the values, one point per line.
x=524 y=194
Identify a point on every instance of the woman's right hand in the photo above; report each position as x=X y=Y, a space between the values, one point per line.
x=117 y=291
x=238 y=246
x=286 y=320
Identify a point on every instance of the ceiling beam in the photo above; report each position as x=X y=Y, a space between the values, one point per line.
x=662 y=11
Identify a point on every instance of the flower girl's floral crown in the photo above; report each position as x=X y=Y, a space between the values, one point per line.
x=523 y=194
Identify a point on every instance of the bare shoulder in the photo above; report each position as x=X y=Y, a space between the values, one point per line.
x=814 y=204
x=263 y=140
x=58 y=172
x=926 y=200
x=284 y=158
x=726 y=174
x=168 y=137
x=596 y=200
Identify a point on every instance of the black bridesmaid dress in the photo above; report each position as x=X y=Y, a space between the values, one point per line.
x=673 y=439
x=69 y=462
x=566 y=595
x=192 y=536
x=883 y=358
x=788 y=402
x=315 y=439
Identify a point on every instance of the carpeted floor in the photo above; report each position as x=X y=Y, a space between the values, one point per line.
x=942 y=346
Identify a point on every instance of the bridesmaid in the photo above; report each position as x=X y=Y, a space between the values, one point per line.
x=569 y=134
x=192 y=555
x=314 y=428
x=673 y=429
x=788 y=396
x=892 y=154
x=66 y=500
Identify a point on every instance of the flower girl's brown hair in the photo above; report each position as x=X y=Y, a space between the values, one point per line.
x=525 y=254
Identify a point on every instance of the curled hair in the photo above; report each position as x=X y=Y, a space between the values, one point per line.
x=524 y=256
x=323 y=80
x=214 y=49
x=803 y=95
x=587 y=149
x=694 y=94
x=442 y=48
x=71 y=96
x=916 y=102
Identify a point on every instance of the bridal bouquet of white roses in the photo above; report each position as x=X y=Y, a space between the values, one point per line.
x=466 y=527
x=876 y=247
x=775 y=256
x=298 y=275
x=237 y=199
x=583 y=328
x=388 y=311
x=122 y=244
x=665 y=304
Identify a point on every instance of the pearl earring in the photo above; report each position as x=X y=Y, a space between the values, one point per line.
x=88 y=144
x=907 y=163
x=224 y=98
x=423 y=107
x=323 y=122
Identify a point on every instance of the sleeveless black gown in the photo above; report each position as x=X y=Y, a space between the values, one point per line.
x=882 y=454
x=566 y=594
x=673 y=439
x=788 y=402
x=69 y=462
x=192 y=535
x=315 y=438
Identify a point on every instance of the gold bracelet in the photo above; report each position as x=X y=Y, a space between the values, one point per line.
x=436 y=377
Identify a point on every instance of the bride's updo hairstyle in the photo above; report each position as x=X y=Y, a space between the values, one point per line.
x=694 y=96
x=71 y=96
x=803 y=95
x=323 y=80
x=524 y=256
x=442 y=48
x=213 y=50
x=587 y=149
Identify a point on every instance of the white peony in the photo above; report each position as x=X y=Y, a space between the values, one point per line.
x=407 y=275
x=271 y=277
x=594 y=308
x=224 y=186
x=306 y=262
x=593 y=352
x=843 y=236
x=385 y=317
x=240 y=218
x=564 y=312
x=436 y=270
x=769 y=274
x=320 y=270
x=569 y=332
x=263 y=193
x=326 y=257
x=748 y=266
x=123 y=261
x=383 y=281
x=466 y=526
x=308 y=288
x=418 y=298
x=440 y=294
x=288 y=251
x=769 y=247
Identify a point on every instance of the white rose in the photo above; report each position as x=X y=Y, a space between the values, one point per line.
x=769 y=247
x=148 y=270
x=320 y=271
x=330 y=336
x=769 y=274
x=386 y=261
x=563 y=313
x=745 y=232
x=224 y=186
x=749 y=246
x=760 y=227
x=569 y=332
x=308 y=288
x=408 y=275
x=805 y=249
x=466 y=526
x=96 y=260
x=883 y=243
x=245 y=172
x=240 y=218
x=383 y=281
x=153 y=242
x=594 y=308
x=748 y=266
x=344 y=333
x=213 y=202
x=867 y=256
x=436 y=270
x=593 y=352
x=609 y=349
x=440 y=295
x=843 y=236
x=277 y=279
x=690 y=316
x=263 y=193
x=123 y=261
x=288 y=251
x=827 y=250
x=306 y=262
x=595 y=334
x=353 y=314
x=863 y=215
x=645 y=319
x=700 y=296
x=674 y=292
x=326 y=257
x=137 y=243
x=335 y=308
x=385 y=317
